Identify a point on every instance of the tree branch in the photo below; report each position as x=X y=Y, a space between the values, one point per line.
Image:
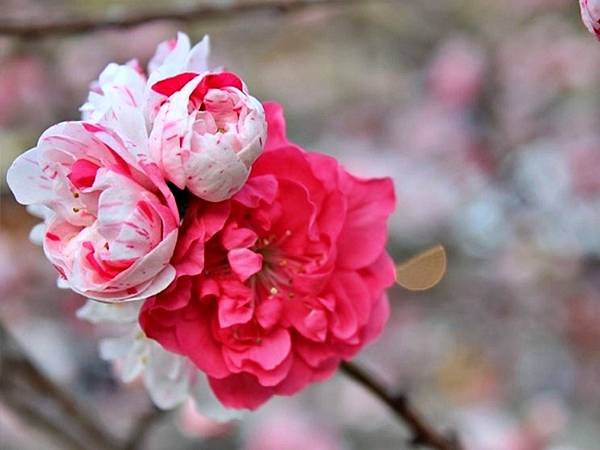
x=423 y=433
x=20 y=375
x=201 y=11
x=142 y=428
x=18 y=370
x=37 y=420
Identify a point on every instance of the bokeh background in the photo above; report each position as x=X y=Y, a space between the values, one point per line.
x=485 y=113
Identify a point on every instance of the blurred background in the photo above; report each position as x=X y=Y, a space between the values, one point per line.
x=486 y=115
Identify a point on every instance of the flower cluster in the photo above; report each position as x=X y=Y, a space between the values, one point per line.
x=178 y=206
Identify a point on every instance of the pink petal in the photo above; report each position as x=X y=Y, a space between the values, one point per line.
x=169 y=86
x=234 y=237
x=244 y=262
x=196 y=341
x=234 y=311
x=83 y=173
x=268 y=354
x=240 y=391
x=276 y=136
x=268 y=312
x=257 y=189
x=370 y=202
x=216 y=81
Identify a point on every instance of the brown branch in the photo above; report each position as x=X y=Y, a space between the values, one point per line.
x=20 y=375
x=423 y=433
x=44 y=386
x=38 y=420
x=200 y=11
x=21 y=379
x=142 y=427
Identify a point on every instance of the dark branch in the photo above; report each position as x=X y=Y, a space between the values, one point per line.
x=20 y=375
x=36 y=419
x=423 y=433
x=142 y=428
x=23 y=388
x=201 y=11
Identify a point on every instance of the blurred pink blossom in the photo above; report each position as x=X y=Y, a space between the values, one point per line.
x=290 y=432
x=456 y=72
x=24 y=86
x=194 y=424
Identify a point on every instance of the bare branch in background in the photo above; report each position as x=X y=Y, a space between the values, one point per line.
x=141 y=429
x=20 y=378
x=201 y=11
x=41 y=403
x=38 y=400
x=423 y=433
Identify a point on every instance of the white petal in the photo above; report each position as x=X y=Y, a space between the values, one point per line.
x=41 y=211
x=97 y=312
x=119 y=85
x=173 y=123
x=252 y=151
x=61 y=283
x=115 y=348
x=175 y=61
x=217 y=173
x=27 y=181
x=154 y=287
x=36 y=235
x=135 y=362
x=197 y=60
x=167 y=377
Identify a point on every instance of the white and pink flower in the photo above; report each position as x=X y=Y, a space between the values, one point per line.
x=112 y=223
x=206 y=131
x=207 y=134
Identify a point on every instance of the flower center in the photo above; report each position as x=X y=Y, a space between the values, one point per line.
x=280 y=269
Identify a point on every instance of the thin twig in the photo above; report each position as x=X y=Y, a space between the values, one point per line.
x=38 y=420
x=15 y=363
x=423 y=433
x=196 y=12
x=71 y=408
x=140 y=430
x=20 y=376
x=17 y=367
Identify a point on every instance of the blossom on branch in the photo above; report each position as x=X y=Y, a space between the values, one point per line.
x=248 y=261
x=280 y=283
x=112 y=223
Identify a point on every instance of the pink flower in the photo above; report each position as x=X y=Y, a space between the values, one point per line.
x=23 y=80
x=456 y=72
x=206 y=131
x=291 y=431
x=590 y=14
x=113 y=223
x=193 y=423
x=278 y=284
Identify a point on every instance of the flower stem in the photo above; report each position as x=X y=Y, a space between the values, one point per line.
x=423 y=433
